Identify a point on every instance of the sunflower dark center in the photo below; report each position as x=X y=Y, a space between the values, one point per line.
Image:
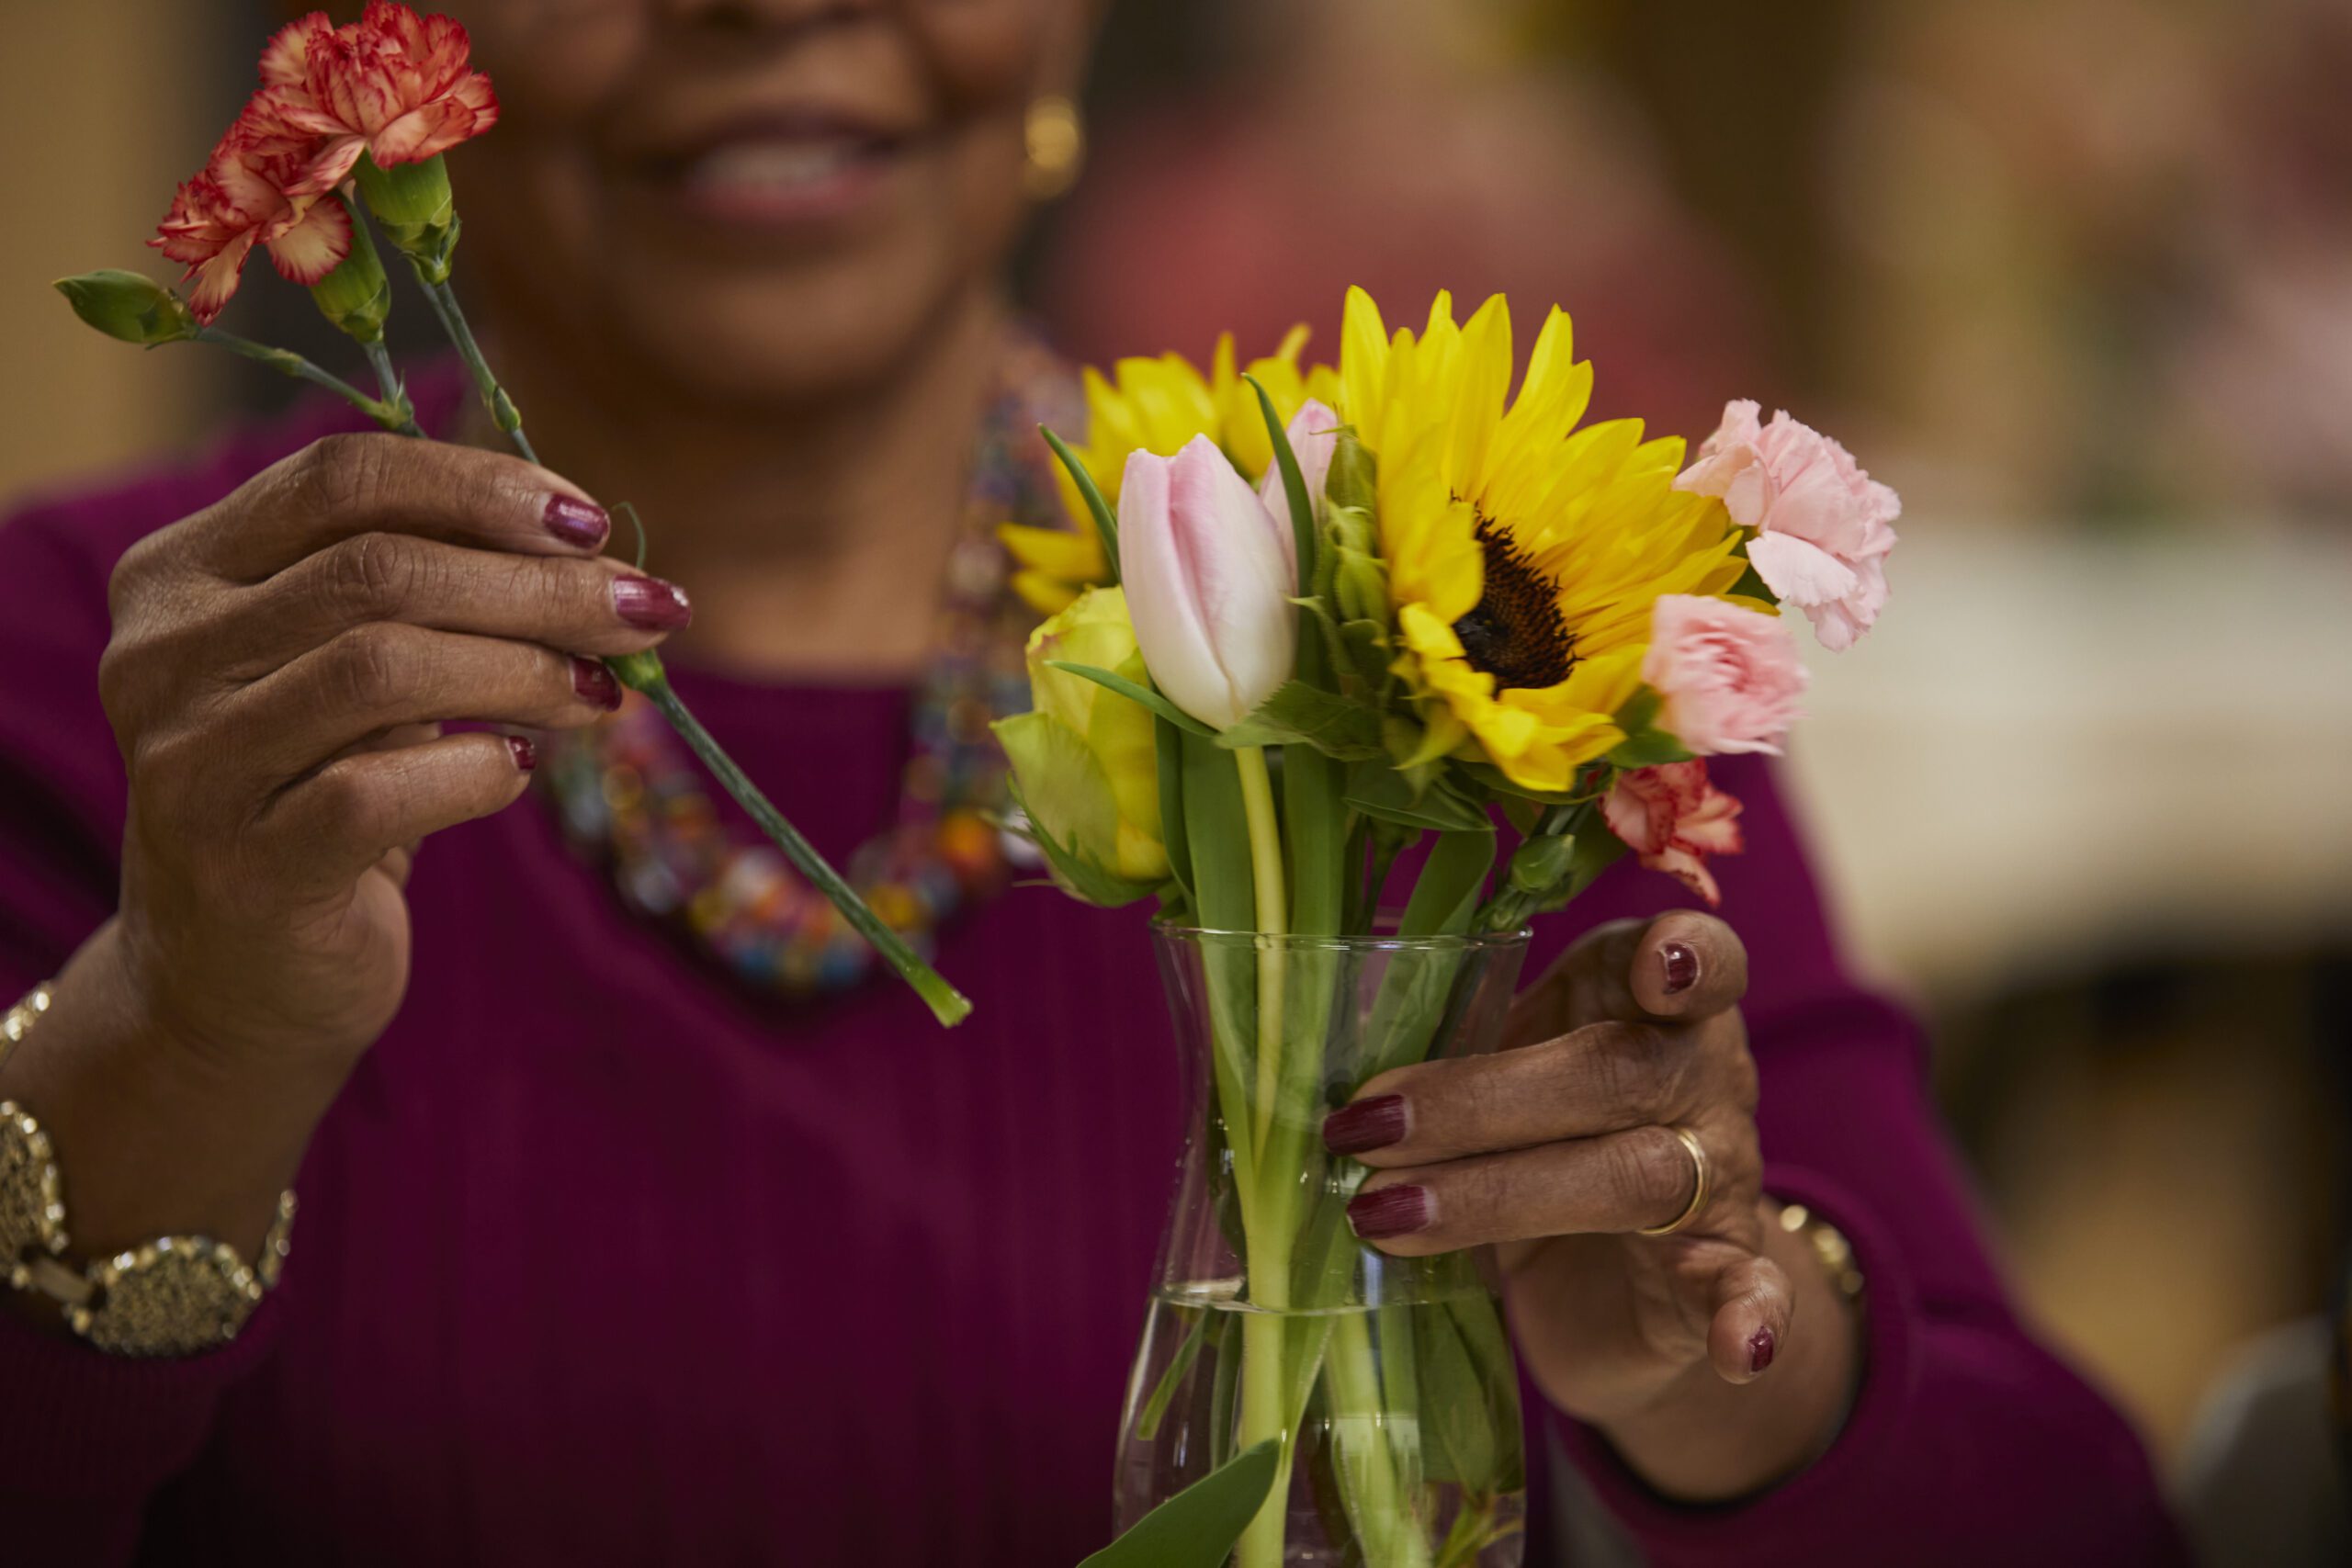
x=1516 y=634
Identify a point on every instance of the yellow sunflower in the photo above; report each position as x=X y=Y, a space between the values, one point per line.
x=1157 y=405
x=1523 y=554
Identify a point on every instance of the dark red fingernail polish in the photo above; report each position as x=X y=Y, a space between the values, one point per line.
x=577 y=521
x=595 y=684
x=650 y=603
x=1761 y=1346
x=1681 y=967
x=1367 y=1124
x=527 y=756
x=1392 y=1210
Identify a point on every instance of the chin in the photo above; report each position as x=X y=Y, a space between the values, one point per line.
x=780 y=336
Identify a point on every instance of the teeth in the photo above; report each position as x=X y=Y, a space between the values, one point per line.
x=772 y=164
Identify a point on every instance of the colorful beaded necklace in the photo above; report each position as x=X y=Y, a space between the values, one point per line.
x=630 y=796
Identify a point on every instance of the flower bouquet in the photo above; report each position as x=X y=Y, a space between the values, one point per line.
x=1316 y=626
x=353 y=123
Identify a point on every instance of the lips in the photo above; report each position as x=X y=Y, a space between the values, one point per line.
x=777 y=171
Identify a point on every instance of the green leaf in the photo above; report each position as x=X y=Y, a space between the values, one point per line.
x=1155 y=1408
x=1542 y=863
x=1597 y=849
x=1302 y=505
x=1197 y=1527
x=1378 y=790
x=1751 y=585
x=1168 y=752
x=1451 y=880
x=1499 y=784
x=1300 y=714
x=1640 y=711
x=1458 y=1439
x=1134 y=691
x=1105 y=523
x=1649 y=750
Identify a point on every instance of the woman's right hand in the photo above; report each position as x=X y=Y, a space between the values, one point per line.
x=280 y=668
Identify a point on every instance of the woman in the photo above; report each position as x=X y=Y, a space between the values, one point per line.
x=606 y=1255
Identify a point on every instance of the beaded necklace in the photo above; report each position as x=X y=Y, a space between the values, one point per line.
x=630 y=797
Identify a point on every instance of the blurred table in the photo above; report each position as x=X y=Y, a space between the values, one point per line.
x=2058 y=744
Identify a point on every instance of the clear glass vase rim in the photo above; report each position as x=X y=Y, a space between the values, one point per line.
x=1465 y=942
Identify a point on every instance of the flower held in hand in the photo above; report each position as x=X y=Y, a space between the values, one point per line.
x=394 y=85
x=242 y=200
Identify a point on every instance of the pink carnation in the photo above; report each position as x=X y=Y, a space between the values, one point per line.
x=1823 y=524
x=1730 y=677
x=1673 y=818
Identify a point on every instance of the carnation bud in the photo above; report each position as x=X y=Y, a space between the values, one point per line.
x=129 y=306
x=417 y=208
x=357 y=296
x=1543 y=863
x=1354 y=478
x=1359 y=582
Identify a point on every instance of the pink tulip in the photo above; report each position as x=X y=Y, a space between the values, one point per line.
x=1314 y=435
x=1209 y=573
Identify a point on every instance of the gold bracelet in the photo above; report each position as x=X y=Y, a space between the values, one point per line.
x=1828 y=1244
x=172 y=1296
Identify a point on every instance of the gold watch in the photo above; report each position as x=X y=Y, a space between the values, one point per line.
x=172 y=1296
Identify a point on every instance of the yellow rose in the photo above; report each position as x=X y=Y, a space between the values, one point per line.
x=1085 y=758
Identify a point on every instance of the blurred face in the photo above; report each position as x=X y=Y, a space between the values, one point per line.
x=754 y=201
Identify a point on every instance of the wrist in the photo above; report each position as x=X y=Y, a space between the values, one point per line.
x=155 y=1134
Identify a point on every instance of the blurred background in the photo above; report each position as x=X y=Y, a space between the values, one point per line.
x=2075 y=276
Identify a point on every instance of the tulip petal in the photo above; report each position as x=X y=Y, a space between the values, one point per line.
x=1160 y=596
x=1240 y=570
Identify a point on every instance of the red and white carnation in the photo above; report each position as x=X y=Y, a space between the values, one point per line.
x=1672 y=817
x=241 y=200
x=393 y=85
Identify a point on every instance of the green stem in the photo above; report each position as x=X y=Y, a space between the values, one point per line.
x=1375 y=1483
x=388 y=381
x=947 y=1004
x=286 y=362
x=643 y=673
x=443 y=296
x=1273 y=905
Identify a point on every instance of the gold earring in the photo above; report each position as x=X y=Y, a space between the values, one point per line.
x=1054 y=133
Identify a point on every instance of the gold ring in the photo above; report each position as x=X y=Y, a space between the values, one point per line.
x=1702 y=1179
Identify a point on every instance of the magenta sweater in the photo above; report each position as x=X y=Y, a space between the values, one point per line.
x=600 y=1261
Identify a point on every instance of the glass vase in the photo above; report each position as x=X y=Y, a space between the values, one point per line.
x=1387 y=1381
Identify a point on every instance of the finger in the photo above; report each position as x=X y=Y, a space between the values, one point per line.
x=1615 y=1183
x=347 y=485
x=1682 y=965
x=1604 y=1077
x=355 y=811
x=1754 y=1306
x=580 y=606
x=385 y=673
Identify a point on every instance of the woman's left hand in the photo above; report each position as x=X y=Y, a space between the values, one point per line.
x=1561 y=1149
